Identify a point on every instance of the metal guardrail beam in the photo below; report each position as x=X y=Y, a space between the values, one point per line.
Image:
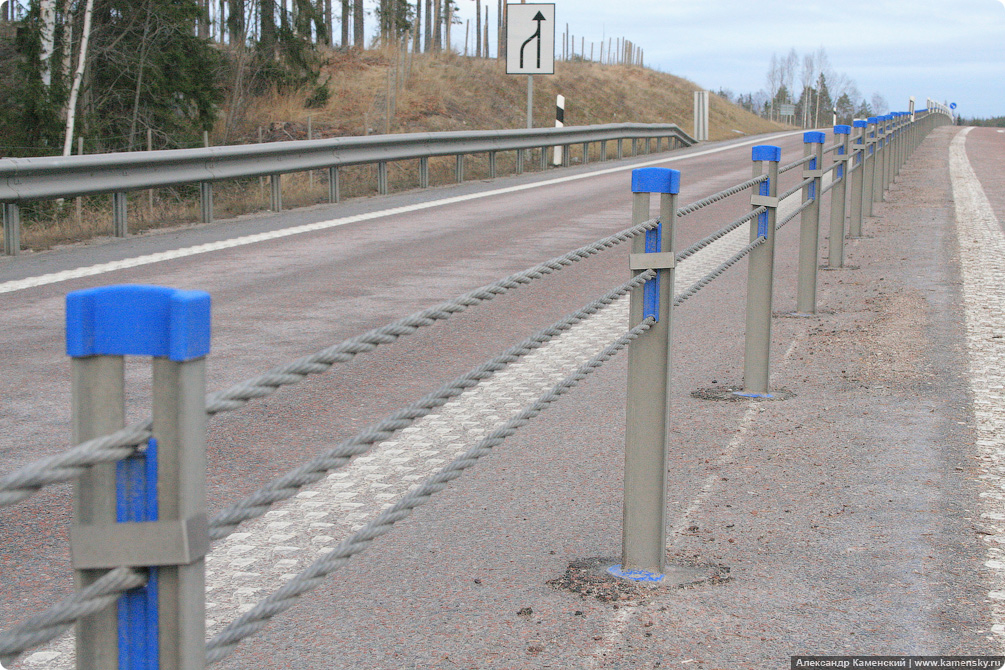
x=45 y=178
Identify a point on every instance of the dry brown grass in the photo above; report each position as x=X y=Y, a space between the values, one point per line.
x=434 y=93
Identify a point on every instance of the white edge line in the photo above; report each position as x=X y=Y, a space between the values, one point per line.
x=101 y=268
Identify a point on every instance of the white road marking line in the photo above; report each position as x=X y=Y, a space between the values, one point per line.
x=102 y=268
x=982 y=264
x=273 y=548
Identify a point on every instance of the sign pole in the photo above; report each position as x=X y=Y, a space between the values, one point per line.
x=530 y=101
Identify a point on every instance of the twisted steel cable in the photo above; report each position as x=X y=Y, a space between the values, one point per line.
x=805 y=182
x=291 y=373
x=255 y=619
x=711 y=276
x=69 y=465
x=286 y=486
x=794 y=165
x=721 y=195
x=797 y=212
x=701 y=244
x=53 y=622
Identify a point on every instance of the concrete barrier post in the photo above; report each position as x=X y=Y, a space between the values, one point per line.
x=760 y=274
x=644 y=529
x=882 y=151
x=839 y=196
x=147 y=512
x=809 y=231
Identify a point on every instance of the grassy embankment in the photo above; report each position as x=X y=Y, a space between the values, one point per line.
x=433 y=93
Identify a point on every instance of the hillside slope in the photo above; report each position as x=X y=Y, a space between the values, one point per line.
x=439 y=92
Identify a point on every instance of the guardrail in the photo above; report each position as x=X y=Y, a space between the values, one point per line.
x=48 y=178
x=140 y=533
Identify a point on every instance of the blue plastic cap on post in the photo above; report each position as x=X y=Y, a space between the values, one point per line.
x=873 y=120
x=135 y=320
x=842 y=130
x=655 y=180
x=766 y=152
x=814 y=137
x=859 y=123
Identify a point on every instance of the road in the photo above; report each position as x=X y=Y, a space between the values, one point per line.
x=769 y=490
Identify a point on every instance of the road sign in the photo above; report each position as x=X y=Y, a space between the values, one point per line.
x=952 y=106
x=787 y=109
x=530 y=38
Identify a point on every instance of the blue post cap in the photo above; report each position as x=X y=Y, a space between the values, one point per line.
x=859 y=123
x=873 y=120
x=655 y=180
x=814 y=137
x=766 y=152
x=842 y=130
x=135 y=320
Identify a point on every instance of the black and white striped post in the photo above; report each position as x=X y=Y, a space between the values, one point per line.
x=559 y=123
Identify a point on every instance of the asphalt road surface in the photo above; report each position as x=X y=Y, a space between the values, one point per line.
x=856 y=517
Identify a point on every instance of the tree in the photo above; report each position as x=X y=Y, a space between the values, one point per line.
x=879 y=104
x=845 y=109
x=774 y=80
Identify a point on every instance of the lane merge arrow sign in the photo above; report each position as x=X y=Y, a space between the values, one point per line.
x=530 y=38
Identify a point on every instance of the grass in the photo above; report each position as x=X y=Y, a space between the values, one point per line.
x=377 y=91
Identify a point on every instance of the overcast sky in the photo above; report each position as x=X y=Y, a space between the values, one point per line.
x=949 y=50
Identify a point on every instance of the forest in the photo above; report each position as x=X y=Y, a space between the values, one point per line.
x=123 y=75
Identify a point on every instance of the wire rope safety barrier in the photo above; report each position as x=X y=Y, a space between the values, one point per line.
x=141 y=537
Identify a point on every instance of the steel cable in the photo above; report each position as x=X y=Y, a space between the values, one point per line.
x=711 y=276
x=53 y=622
x=701 y=244
x=805 y=182
x=721 y=195
x=69 y=465
x=794 y=165
x=799 y=210
x=254 y=620
x=288 y=485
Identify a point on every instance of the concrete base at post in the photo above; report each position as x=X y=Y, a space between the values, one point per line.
x=603 y=579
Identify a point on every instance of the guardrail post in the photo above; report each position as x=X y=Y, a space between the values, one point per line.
x=334 y=191
x=603 y=151
x=760 y=274
x=586 y=153
x=857 y=180
x=519 y=161
x=424 y=172
x=206 y=201
x=809 y=231
x=621 y=149
x=382 y=177
x=839 y=195
x=11 y=229
x=276 y=182
x=459 y=168
x=544 y=158
x=149 y=511
x=869 y=185
x=644 y=529
x=492 y=164
x=120 y=224
x=881 y=153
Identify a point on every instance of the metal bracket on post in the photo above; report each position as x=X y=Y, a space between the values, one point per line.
x=150 y=509
x=644 y=529
x=809 y=231
x=760 y=276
